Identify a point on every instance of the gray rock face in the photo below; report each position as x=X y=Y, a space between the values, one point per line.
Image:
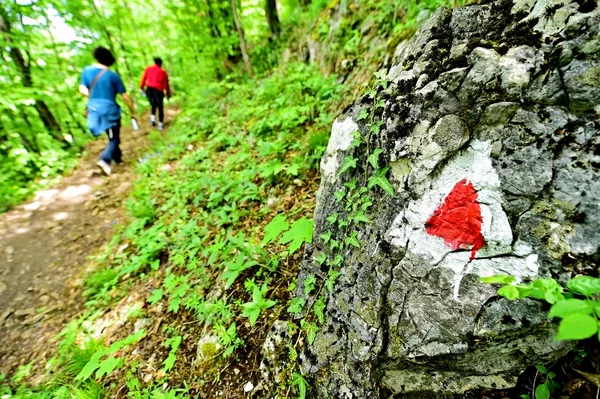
x=490 y=130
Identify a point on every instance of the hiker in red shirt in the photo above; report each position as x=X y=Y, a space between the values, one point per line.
x=156 y=82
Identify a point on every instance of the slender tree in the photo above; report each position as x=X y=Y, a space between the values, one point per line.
x=242 y=38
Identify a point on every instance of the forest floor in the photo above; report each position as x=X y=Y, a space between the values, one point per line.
x=45 y=245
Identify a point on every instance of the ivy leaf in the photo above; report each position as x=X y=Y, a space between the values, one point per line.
x=300 y=232
x=373 y=159
x=380 y=180
x=339 y=195
x=312 y=333
x=332 y=218
x=352 y=240
x=338 y=260
x=351 y=184
x=299 y=381
x=326 y=236
x=333 y=275
x=319 y=307
x=576 y=327
x=361 y=217
x=309 y=284
x=275 y=228
x=363 y=114
x=322 y=258
x=509 y=292
x=349 y=163
x=584 y=285
x=296 y=305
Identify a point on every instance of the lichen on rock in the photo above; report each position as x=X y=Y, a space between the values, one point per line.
x=490 y=130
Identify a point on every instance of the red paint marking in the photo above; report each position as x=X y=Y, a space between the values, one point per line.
x=458 y=219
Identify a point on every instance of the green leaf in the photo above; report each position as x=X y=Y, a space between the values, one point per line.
x=541 y=368
x=300 y=232
x=155 y=296
x=339 y=195
x=339 y=259
x=498 y=279
x=108 y=366
x=380 y=180
x=361 y=217
x=332 y=218
x=584 y=285
x=322 y=258
x=275 y=228
x=576 y=327
x=570 y=306
x=319 y=307
x=373 y=159
x=299 y=381
x=312 y=333
x=309 y=284
x=89 y=368
x=552 y=297
x=296 y=305
x=351 y=185
x=509 y=292
x=251 y=311
x=333 y=275
x=542 y=392
x=348 y=163
x=352 y=240
x=363 y=114
x=326 y=236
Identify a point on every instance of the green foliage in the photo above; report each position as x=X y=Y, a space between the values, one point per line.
x=172 y=343
x=259 y=303
x=579 y=317
x=300 y=232
x=107 y=365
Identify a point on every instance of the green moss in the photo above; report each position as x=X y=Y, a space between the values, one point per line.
x=400 y=168
x=592 y=77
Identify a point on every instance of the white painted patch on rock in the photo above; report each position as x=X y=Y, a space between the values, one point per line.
x=340 y=140
x=408 y=229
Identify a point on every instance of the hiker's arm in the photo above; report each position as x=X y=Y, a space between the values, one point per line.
x=143 y=82
x=129 y=103
x=84 y=90
x=168 y=87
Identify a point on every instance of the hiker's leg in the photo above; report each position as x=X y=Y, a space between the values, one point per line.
x=150 y=96
x=117 y=154
x=161 y=111
x=112 y=147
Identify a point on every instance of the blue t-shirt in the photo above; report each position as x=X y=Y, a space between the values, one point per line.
x=107 y=87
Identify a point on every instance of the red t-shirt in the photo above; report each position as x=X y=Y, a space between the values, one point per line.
x=155 y=77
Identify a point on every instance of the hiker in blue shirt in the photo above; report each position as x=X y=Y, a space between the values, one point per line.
x=103 y=114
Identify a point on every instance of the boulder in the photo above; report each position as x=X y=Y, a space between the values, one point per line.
x=479 y=156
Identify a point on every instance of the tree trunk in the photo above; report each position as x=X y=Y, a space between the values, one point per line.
x=272 y=18
x=46 y=116
x=240 y=31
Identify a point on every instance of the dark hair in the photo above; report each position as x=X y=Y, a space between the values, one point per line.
x=158 y=61
x=104 y=56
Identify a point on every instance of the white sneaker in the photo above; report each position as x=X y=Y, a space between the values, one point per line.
x=160 y=126
x=104 y=166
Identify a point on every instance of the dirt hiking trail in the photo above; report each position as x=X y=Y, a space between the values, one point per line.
x=45 y=243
